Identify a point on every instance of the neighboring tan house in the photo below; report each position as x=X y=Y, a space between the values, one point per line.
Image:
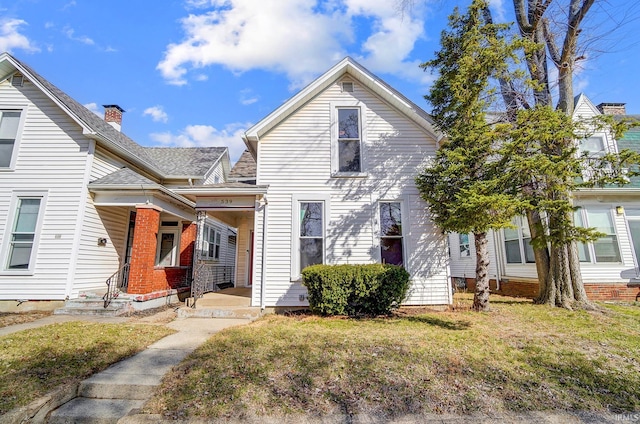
x=80 y=201
x=609 y=265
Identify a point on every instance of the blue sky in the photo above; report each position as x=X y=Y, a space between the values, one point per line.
x=200 y=72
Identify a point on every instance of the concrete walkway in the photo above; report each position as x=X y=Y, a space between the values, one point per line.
x=125 y=386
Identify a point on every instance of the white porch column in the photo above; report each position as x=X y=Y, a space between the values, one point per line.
x=200 y=220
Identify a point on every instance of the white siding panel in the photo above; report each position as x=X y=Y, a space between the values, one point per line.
x=295 y=159
x=52 y=157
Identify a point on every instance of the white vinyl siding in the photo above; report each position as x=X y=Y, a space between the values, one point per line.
x=52 y=155
x=216 y=176
x=295 y=161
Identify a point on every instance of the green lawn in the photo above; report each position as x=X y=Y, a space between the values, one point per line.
x=34 y=362
x=518 y=357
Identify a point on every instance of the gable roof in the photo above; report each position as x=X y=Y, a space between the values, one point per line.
x=123 y=177
x=185 y=162
x=358 y=73
x=93 y=126
x=244 y=168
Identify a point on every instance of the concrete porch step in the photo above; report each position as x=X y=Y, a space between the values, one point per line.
x=98 y=411
x=247 y=312
x=95 y=307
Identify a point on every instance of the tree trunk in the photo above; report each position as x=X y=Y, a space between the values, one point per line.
x=481 y=296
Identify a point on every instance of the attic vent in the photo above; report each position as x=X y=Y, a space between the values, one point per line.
x=17 y=80
x=347 y=87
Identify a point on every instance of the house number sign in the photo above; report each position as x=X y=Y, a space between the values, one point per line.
x=226 y=203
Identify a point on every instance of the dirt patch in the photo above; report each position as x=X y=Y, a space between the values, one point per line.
x=161 y=315
x=7 y=319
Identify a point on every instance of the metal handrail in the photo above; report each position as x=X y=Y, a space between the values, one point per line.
x=117 y=282
x=208 y=277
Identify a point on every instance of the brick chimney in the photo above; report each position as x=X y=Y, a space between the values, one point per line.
x=113 y=116
x=612 y=108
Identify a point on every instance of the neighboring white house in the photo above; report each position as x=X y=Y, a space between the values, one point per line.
x=609 y=265
x=76 y=194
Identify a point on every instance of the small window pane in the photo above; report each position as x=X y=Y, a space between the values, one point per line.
x=465 y=248
x=391 y=251
x=166 y=249
x=606 y=249
x=349 y=156
x=390 y=219
x=6 y=151
x=512 y=248
x=310 y=252
x=311 y=219
x=583 y=252
x=348 y=123
x=19 y=255
x=529 y=257
x=9 y=125
x=593 y=145
x=27 y=215
x=601 y=220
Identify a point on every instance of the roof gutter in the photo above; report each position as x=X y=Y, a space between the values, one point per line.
x=256 y=190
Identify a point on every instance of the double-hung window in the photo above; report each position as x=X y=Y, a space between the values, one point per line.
x=311 y=234
x=604 y=249
x=465 y=245
x=349 y=157
x=9 y=124
x=517 y=242
x=24 y=231
x=391 y=239
x=212 y=238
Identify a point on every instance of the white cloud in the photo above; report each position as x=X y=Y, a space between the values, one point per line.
x=156 y=113
x=499 y=9
x=93 y=107
x=207 y=136
x=70 y=33
x=11 y=38
x=247 y=97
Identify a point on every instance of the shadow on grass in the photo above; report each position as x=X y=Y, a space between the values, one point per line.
x=437 y=322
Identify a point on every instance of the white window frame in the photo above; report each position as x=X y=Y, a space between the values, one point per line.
x=466 y=253
x=212 y=238
x=16 y=143
x=175 y=252
x=10 y=223
x=405 y=225
x=520 y=223
x=335 y=159
x=296 y=200
x=598 y=153
x=584 y=211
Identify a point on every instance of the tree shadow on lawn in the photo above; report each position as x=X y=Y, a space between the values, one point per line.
x=437 y=322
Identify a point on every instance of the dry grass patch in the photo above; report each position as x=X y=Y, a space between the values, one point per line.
x=7 y=319
x=518 y=357
x=34 y=362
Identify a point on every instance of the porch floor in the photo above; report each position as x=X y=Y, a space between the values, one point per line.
x=234 y=296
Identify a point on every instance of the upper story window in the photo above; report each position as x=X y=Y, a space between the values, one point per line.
x=349 y=140
x=22 y=240
x=391 y=237
x=517 y=242
x=594 y=146
x=9 y=124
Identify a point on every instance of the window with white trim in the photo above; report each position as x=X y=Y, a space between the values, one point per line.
x=517 y=242
x=606 y=248
x=9 y=124
x=212 y=238
x=22 y=244
x=347 y=139
x=594 y=146
x=391 y=238
x=310 y=234
x=465 y=245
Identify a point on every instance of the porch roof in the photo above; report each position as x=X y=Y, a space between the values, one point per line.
x=222 y=189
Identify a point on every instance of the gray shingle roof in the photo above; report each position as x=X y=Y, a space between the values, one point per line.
x=185 y=161
x=123 y=177
x=245 y=167
x=92 y=121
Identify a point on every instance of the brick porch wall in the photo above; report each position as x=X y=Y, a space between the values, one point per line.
x=143 y=253
x=187 y=243
x=169 y=277
x=606 y=291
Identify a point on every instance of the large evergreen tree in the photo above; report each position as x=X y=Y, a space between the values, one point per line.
x=464 y=185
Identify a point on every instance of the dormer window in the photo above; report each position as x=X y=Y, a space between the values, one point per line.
x=594 y=146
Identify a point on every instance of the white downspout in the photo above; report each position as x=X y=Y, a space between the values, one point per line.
x=265 y=209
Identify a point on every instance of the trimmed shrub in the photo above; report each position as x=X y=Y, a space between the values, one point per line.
x=369 y=289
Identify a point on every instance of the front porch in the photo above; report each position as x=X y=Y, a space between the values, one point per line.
x=234 y=302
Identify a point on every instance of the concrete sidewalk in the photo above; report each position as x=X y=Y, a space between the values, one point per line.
x=124 y=386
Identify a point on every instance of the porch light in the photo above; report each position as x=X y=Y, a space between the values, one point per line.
x=619 y=210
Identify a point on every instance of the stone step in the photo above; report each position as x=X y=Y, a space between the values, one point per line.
x=93 y=411
x=119 y=386
x=220 y=312
x=95 y=307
